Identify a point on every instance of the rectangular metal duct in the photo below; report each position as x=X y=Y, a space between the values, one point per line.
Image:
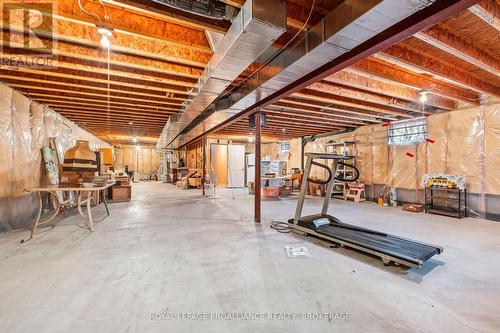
x=349 y=25
x=258 y=24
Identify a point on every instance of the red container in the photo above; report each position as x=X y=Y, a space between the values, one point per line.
x=271 y=192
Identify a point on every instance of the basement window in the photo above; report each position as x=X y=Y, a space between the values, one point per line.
x=284 y=147
x=407 y=132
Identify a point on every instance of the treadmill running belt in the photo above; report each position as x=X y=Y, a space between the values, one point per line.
x=388 y=244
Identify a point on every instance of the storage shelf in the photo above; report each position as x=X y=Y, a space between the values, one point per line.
x=458 y=199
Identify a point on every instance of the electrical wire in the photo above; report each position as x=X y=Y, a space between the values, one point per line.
x=89 y=13
x=279 y=226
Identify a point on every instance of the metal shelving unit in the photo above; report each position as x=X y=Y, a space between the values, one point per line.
x=343 y=148
x=446 y=201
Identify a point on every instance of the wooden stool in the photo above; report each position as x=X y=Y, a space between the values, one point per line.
x=355 y=192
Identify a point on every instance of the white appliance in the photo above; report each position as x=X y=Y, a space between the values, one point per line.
x=250 y=168
x=236 y=166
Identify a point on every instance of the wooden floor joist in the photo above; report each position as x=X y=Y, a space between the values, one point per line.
x=460 y=48
x=402 y=54
x=388 y=71
x=349 y=77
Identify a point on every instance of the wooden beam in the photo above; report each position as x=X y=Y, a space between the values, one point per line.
x=318 y=114
x=364 y=96
x=94 y=112
x=489 y=12
x=79 y=52
x=113 y=121
x=290 y=122
x=340 y=100
x=129 y=22
x=113 y=96
x=350 y=111
x=48 y=81
x=99 y=106
x=60 y=77
x=438 y=68
x=104 y=102
x=116 y=75
x=373 y=84
x=87 y=35
x=308 y=119
x=460 y=48
x=384 y=70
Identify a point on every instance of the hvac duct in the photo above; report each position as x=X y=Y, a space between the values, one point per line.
x=258 y=24
x=349 y=25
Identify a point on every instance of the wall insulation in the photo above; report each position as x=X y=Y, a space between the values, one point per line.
x=25 y=127
x=465 y=143
x=143 y=159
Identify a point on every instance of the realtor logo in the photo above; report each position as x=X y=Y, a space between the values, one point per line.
x=27 y=33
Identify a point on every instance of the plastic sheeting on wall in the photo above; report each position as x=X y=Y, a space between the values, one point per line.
x=25 y=127
x=464 y=142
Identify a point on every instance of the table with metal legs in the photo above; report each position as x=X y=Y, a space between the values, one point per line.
x=85 y=195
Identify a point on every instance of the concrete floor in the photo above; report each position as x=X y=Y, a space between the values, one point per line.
x=171 y=251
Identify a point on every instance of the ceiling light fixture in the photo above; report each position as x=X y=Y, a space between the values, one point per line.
x=105 y=33
x=423 y=96
x=134 y=139
x=250 y=139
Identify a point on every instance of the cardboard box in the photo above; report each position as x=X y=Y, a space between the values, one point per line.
x=411 y=207
x=121 y=192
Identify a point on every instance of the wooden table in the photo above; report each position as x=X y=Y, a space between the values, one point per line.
x=80 y=189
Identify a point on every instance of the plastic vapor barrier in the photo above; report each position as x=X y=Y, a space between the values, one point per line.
x=25 y=127
x=463 y=142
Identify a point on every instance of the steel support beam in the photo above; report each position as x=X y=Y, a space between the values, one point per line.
x=425 y=18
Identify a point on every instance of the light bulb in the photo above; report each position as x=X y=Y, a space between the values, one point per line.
x=250 y=139
x=134 y=139
x=423 y=97
x=105 y=41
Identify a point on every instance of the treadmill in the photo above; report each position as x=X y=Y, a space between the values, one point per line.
x=390 y=248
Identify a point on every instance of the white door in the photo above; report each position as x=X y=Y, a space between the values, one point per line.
x=236 y=166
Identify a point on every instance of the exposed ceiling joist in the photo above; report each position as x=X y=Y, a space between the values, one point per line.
x=388 y=88
x=323 y=117
x=130 y=22
x=301 y=108
x=318 y=96
x=387 y=71
x=100 y=105
x=489 y=12
x=79 y=53
x=151 y=106
x=32 y=89
x=87 y=35
x=364 y=96
x=400 y=53
x=332 y=106
x=460 y=48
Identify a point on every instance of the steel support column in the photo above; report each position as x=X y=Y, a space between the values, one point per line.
x=258 y=157
x=203 y=162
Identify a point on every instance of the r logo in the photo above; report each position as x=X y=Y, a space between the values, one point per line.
x=27 y=25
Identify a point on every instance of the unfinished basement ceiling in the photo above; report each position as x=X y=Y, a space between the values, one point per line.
x=456 y=61
x=157 y=54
